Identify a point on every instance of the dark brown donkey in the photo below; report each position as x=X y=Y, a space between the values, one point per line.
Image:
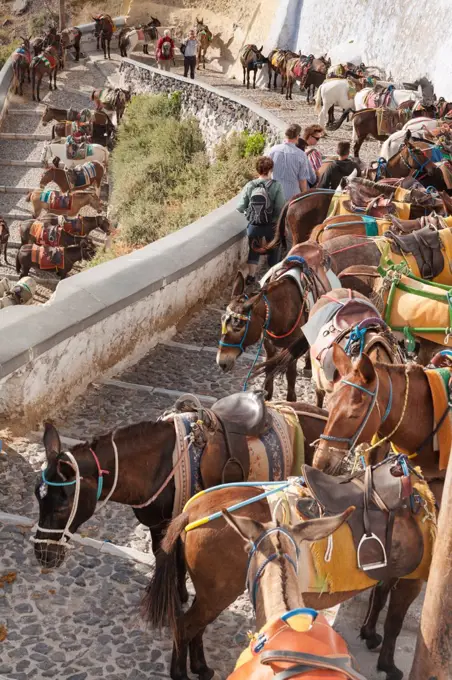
x=63 y=115
x=217 y=565
x=356 y=415
x=77 y=227
x=63 y=258
x=277 y=63
x=275 y=313
x=45 y=63
x=142 y=457
x=252 y=59
x=4 y=237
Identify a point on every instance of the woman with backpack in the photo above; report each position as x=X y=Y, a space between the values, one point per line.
x=165 y=51
x=262 y=201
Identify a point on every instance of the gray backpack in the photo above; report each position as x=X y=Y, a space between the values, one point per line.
x=260 y=208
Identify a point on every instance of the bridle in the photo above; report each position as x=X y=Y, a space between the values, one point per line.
x=253 y=587
x=66 y=533
x=351 y=442
x=420 y=166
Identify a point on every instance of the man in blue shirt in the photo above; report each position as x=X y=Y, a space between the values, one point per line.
x=291 y=165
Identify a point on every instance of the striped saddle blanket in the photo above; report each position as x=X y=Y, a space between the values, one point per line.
x=47 y=58
x=48 y=258
x=81 y=176
x=107 y=96
x=274 y=456
x=46 y=235
x=77 y=152
x=55 y=200
x=77 y=127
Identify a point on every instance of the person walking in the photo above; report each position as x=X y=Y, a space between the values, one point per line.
x=165 y=51
x=340 y=168
x=189 y=48
x=308 y=143
x=291 y=165
x=262 y=201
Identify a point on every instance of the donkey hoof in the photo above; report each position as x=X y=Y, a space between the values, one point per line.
x=392 y=672
x=374 y=641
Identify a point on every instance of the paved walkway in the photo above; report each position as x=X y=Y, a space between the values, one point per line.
x=81 y=622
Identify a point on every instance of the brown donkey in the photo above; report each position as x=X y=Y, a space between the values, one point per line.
x=252 y=59
x=217 y=565
x=62 y=204
x=45 y=63
x=363 y=394
x=4 y=237
x=86 y=175
x=39 y=232
x=275 y=313
x=204 y=37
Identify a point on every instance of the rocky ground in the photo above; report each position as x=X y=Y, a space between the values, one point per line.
x=81 y=622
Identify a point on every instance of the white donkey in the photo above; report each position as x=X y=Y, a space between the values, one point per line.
x=397 y=97
x=417 y=126
x=93 y=152
x=332 y=93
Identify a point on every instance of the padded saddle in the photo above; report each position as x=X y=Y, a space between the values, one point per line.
x=425 y=246
x=243 y=413
x=377 y=493
x=408 y=226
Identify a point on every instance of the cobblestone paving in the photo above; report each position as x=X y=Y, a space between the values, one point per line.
x=81 y=621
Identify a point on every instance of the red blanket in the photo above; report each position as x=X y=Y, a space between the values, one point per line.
x=47 y=258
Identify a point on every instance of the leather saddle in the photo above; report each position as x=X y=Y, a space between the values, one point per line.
x=408 y=226
x=425 y=246
x=235 y=418
x=377 y=493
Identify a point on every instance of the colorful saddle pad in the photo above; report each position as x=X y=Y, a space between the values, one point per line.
x=47 y=258
x=73 y=227
x=81 y=176
x=55 y=200
x=45 y=235
x=22 y=55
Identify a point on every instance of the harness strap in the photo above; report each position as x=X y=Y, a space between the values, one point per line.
x=306 y=662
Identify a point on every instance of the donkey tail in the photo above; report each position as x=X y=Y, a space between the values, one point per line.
x=161 y=604
x=280 y=231
x=18 y=267
x=279 y=364
x=318 y=101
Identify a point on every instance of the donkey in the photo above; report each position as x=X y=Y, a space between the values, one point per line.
x=252 y=59
x=74 y=178
x=70 y=229
x=62 y=204
x=45 y=63
x=277 y=62
x=71 y=37
x=204 y=36
x=85 y=250
x=103 y=31
x=62 y=115
x=21 y=59
x=112 y=99
x=4 y=237
x=129 y=38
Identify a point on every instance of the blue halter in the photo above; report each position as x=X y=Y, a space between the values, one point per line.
x=252 y=589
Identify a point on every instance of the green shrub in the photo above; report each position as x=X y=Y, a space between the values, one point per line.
x=5 y=51
x=162 y=176
x=40 y=22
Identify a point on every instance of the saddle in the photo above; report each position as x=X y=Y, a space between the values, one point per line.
x=299 y=644
x=73 y=227
x=236 y=417
x=425 y=246
x=46 y=235
x=401 y=227
x=377 y=493
x=377 y=207
x=47 y=258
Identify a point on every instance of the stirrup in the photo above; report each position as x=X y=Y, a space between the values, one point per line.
x=373 y=565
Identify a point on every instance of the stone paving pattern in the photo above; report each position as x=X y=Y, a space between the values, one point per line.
x=81 y=621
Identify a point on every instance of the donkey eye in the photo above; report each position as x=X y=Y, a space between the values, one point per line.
x=237 y=323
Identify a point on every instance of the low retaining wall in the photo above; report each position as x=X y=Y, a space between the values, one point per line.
x=218 y=115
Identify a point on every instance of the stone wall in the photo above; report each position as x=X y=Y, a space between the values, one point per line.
x=217 y=115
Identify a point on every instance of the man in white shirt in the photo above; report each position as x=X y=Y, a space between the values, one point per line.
x=291 y=165
x=190 y=52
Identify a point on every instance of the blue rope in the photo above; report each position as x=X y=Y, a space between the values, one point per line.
x=389 y=406
x=266 y=325
x=357 y=335
x=381 y=166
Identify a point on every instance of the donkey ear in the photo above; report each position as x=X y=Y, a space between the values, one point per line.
x=407 y=136
x=366 y=368
x=248 y=529
x=260 y=48
x=316 y=529
x=341 y=360
x=238 y=286
x=249 y=304
x=51 y=442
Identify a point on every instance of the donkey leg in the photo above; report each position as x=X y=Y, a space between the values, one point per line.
x=291 y=376
x=198 y=663
x=270 y=352
x=402 y=595
x=377 y=601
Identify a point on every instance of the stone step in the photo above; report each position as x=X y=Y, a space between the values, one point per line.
x=25 y=112
x=20 y=164
x=36 y=137
x=12 y=217
x=50 y=283
x=15 y=190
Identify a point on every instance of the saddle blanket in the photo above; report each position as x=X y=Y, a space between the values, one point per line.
x=107 y=96
x=274 y=456
x=375 y=99
x=46 y=235
x=21 y=54
x=372 y=225
x=337 y=207
x=352 y=90
x=412 y=308
x=279 y=271
x=73 y=227
x=47 y=258
x=301 y=69
x=77 y=127
x=82 y=175
x=55 y=200
x=277 y=59
x=78 y=152
x=85 y=116
x=389 y=256
x=390 y=120
x=330 y=565
x=439 y=380
x=47 y=59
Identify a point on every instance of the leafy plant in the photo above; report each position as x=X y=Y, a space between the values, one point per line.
x=6 y=50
